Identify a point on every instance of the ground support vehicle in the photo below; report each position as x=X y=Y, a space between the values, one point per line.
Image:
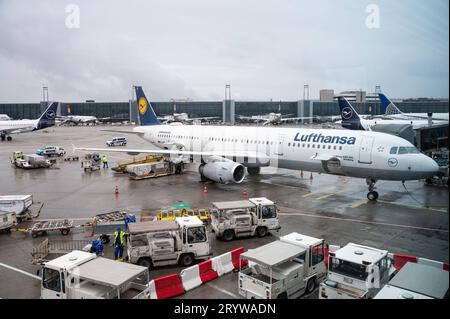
x=20 y=205
x=91 y=162
x=160 y=243
x=82 y=275
x=42 y=227
x=255 y=216
x=7 y=221
x=284 y=269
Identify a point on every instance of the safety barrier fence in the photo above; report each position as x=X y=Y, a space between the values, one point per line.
x=192 y=277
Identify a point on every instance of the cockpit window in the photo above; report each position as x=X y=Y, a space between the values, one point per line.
x=394 y=150
x=413 y=150
x=402 y=150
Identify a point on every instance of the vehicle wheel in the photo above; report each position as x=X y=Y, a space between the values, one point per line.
x=372 y=196
x=9 y=138
x=429 y=181
x=282 y=296
x=311 y=285
x=186 y=260
x=261 y=231
x=145 y=262
x=253 y=170
x=35 y=234
x=228 y=235
x=64 y=232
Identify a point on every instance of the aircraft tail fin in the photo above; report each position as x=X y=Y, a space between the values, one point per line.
x=389 y=108
x=47 y=118
x=146 y=113
x=350 y=118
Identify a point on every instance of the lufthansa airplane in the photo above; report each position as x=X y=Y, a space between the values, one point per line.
x=225 y=151
x=353 y=121
x=47 y=119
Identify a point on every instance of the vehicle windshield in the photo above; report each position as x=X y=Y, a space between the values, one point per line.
x=348 y=268
x=50 y=280
x=196 y=235
x=269 y=211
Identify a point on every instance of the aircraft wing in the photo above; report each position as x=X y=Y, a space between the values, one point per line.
x=124 y=132
x=16 y=130
x=235 y=155
x=202 y=118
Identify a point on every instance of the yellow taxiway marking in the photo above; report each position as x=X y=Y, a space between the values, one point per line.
x=331 y=194
x=360 y=203
x=415 y=206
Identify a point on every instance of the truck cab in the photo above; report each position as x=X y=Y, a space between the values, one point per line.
x=82 y=275
x=160 y=243
x=286 y=268
x=355 y=272
x=233 y=219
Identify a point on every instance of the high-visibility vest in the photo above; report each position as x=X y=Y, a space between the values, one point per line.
x=104 y=159
x=121 y=237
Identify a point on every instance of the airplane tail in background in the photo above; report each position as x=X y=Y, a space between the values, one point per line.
x=146 y=113
x=389 y=108
x=350 y=118
x=47 y=118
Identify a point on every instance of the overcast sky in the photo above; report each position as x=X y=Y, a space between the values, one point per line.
x=191 y=49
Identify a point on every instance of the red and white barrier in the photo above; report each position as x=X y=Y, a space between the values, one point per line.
x=190 y=277
x=165 y=287
x=223 y=264
x=400 y=260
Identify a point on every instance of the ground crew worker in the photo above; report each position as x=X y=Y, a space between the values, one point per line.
x=119 y=243
x=105 y=161
x=19 y=155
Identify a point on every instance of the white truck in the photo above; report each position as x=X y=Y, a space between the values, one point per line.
x=160 y=243
x=283 y=269
x=7 y=221
x=255 y=216
x=417 y=281
x=356 y=272
x=28 y=161
x=20 y=205
x=82 y=275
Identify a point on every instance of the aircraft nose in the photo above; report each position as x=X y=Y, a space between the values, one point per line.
x=431 y=166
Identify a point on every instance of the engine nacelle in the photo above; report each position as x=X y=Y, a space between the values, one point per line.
x=223 y=171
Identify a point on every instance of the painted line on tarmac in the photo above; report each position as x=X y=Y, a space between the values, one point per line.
x=365 y=222
x=360 y=204
x=20 y=271
x=53 y=219
x=319 y=191
x=229 y=293
x=415 y=206
x=331 y=194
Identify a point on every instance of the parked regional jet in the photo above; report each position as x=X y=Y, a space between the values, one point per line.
x=271 y=119
x=393 y=111
x=184 y=118
x=47 y=119
x=224 y=151
x=4 y=117
x=353 y=121
x=80 y=119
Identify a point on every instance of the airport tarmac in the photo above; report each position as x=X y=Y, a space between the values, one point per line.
x=412 y=220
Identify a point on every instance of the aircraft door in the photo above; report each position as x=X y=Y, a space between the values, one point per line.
x=279 y=148
x=365 y=150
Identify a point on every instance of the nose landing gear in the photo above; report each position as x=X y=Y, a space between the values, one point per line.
x=372 y=195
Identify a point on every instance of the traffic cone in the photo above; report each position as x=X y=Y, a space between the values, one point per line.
x=116 y=191
x=205 y=190
x=245 y=192
x=311 y=177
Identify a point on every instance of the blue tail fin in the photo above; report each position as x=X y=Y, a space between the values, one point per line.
x=47 y=118
x=350 y=119
x=389 y=108
x=146 y=113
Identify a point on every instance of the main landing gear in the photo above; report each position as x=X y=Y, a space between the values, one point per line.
x=372 y=195
x=3 y=137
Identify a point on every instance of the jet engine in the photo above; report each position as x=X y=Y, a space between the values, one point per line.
x=223 y=171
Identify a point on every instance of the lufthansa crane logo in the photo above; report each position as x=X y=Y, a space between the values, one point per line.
x=142 y=106
x=347 y=113
x=50 y=114
x=392 y=162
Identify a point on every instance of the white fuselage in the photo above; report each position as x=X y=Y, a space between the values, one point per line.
x=361 y=154
x=407 y=116
x=415 y=123
x=19 y=125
